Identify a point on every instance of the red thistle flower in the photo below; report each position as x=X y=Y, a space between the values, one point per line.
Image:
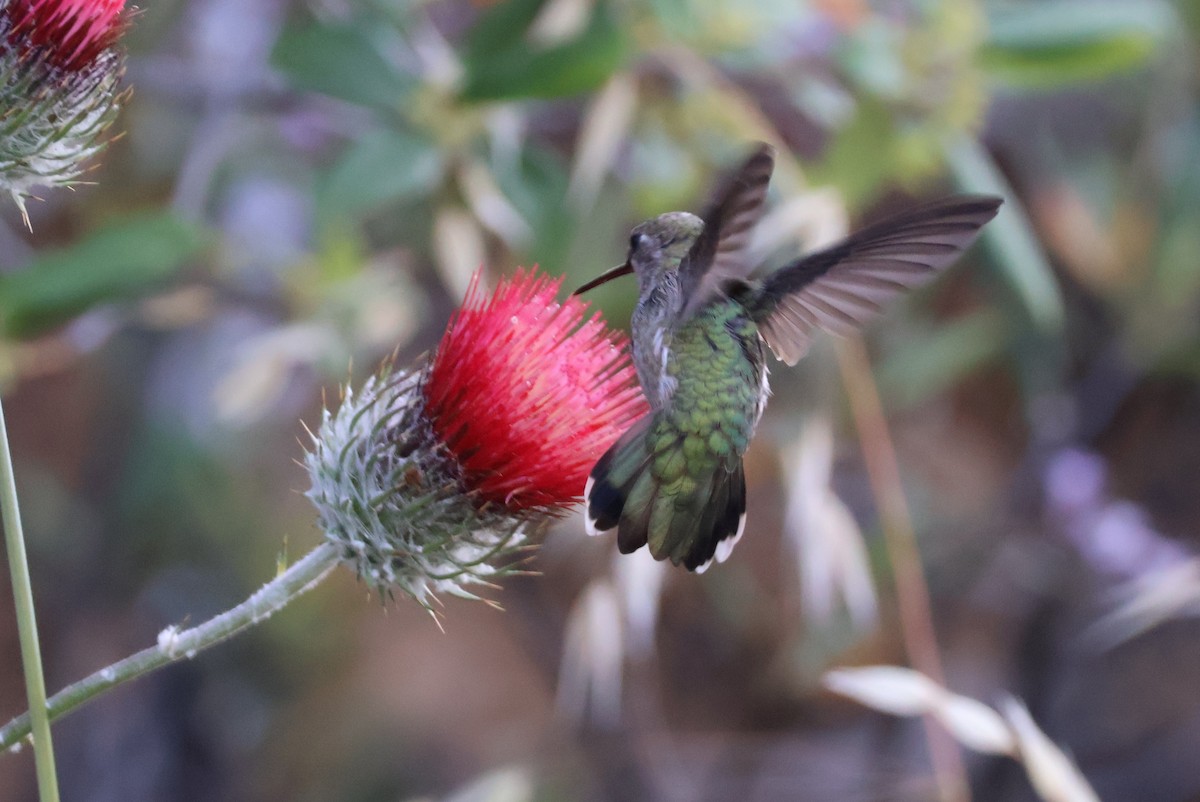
x=426 y=479
x=528 y=394
x=71 y=32
x=59 y=89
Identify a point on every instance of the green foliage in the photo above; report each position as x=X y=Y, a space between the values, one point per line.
x=125 y=260
x=868 y=131
x=502 y=62
x=1010 y=237
x=536 y=184
x=341 y=60
x=1045 y=45
x=934 y=362
x=385 y=166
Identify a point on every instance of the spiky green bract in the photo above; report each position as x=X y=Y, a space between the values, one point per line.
x=391 y=497
x=59 y=82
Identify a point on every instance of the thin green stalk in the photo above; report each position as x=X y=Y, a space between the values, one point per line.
x=177 y=644
x=31 y=656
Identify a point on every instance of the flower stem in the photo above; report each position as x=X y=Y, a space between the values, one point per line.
x=31 y=657
x=912 y=591
x=176 y=644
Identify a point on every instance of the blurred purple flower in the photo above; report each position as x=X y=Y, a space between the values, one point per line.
x=1115 y=537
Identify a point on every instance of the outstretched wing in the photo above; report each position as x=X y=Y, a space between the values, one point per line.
x=840 y=288
x=719 y=253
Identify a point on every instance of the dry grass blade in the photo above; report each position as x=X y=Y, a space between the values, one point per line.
x=458 y=247
x=491 y=207
x=1148 y=601
x=1011 y=732
x=831 y=556
x=1054 y=776
x=639 y=581
x=593 y=656
x=606 y=122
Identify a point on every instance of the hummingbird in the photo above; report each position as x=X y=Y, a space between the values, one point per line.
x=674 y=480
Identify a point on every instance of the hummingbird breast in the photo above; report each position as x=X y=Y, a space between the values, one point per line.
x=706 y=374
x=652 y=323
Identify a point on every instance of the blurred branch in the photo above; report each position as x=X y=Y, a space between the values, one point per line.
x=175 y=644
x=912 y=591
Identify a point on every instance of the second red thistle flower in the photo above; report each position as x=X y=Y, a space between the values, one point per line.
x=59 y=76
x=71 y=33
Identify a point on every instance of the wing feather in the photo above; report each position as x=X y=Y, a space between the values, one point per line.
x=719 y=253
x=842 y=287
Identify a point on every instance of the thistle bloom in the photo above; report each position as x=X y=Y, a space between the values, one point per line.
x=428 y=480
x=59 y=75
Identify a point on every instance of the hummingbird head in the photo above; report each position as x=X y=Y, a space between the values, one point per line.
x=656 y=247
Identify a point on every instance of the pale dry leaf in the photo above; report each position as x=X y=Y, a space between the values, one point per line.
x=559 y=21
x=1148 y=601
x=1054 y=776
x=888 y=689
x=262 y=368
x=508 y=784
x=905 y=692
x=854 y=565
x=440 y=64
x=489 y=204
x=593 y=656
x=639 y=582
x=458 y=248
x=974 y=724
x=606 y=122
x=831 y=556
x=902 y=691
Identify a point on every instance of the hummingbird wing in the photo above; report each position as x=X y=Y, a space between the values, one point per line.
x=719 y=253
x=840 y=288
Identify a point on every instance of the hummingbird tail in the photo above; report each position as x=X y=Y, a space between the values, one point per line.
x=689 y=511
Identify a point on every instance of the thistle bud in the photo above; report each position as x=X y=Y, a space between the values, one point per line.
x=429 y=480
x=59 y=76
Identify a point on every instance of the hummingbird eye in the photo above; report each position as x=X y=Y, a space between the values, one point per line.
x=635 y=241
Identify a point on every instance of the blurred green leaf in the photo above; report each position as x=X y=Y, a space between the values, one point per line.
x=502 y=62
x=1050 y=44
x=929 y=365
x=342 y=61
x=385 y=166
x=501 y=28
x=872 y=58
x=124 y=260
x=1010 y=236
x=844 y=164
x=536 y=184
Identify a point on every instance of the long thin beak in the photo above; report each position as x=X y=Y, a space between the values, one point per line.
x=606 y=276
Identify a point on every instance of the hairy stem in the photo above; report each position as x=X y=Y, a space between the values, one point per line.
x=177 y=644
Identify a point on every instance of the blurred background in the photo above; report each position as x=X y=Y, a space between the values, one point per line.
x=304 y=187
